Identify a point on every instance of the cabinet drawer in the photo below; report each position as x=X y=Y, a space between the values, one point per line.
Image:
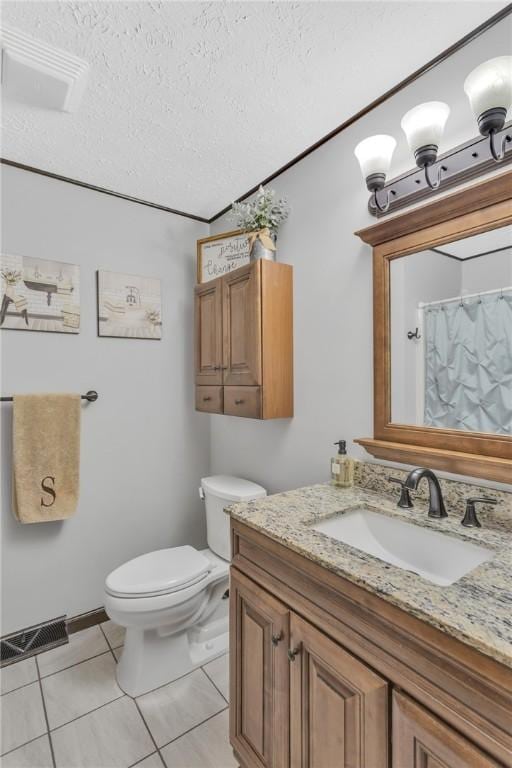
x=243 y=401
x=209 y=399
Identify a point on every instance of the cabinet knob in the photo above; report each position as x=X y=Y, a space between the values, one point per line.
x=277 y=638
x=205 y=399
x=293 y=652
x=217 y=368
x=239 y=402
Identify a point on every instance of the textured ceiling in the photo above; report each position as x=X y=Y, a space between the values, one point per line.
x=190 y=104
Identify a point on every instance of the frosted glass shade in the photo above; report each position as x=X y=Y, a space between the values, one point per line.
x=489 y=86
x=424 y=125
x=374 y=154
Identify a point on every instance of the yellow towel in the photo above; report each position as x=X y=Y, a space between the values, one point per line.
x=46 y=457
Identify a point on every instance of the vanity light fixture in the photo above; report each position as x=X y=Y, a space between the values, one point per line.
x=374 y=155
x=423 y=126
x=489 y=90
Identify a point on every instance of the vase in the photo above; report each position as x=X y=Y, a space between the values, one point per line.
x=258 y=250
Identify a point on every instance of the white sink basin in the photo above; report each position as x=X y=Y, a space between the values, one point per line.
x=437 y=557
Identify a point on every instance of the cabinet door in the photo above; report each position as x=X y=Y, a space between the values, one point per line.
x=242 y=325
x=421 y=740
x=208 y=332
x=259 y=675
x=338 y=706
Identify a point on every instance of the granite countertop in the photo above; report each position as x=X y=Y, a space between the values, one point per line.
x=477 y=609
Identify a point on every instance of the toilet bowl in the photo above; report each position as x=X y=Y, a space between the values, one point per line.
x=172 y=601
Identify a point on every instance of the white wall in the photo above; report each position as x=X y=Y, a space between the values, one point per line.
x=419 y=277
x=144 y=448
x=333 y=288
x=487 y=272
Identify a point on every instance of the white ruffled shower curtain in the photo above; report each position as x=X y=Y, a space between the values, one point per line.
x=468 y=364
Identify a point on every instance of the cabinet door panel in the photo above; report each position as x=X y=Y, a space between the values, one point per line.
x=421 y=740
x=241 y=303
x=259 y=676
x=339 y=715
x=208 y=332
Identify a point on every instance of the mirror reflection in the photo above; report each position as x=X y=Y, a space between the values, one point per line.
x=451 y=335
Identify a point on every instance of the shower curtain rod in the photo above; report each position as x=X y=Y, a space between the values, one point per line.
x=91 y=396
x=422 y=305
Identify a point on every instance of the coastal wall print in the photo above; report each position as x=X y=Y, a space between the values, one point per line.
x=129 y=306
x=220 y=254
x=39 y=295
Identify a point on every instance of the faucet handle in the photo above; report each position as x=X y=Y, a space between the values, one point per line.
x=405 y=498
x=470 y=519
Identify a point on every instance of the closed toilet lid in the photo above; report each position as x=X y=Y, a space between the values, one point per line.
x=160 y=572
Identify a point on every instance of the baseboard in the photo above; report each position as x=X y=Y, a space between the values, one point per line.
x=85 y=620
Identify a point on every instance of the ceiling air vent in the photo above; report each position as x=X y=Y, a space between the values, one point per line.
x=40 y=75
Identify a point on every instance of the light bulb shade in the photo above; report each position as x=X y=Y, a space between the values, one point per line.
x=424 y=125
x=489 y=87
x=374 y=154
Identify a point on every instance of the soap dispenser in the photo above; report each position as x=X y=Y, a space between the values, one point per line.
x=342 y=467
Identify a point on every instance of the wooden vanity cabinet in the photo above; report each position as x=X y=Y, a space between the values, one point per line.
x=296 y=697
x=324 y=674
x=244 y=341
x=421 y=740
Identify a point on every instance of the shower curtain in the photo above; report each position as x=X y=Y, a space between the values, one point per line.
x=468 y=363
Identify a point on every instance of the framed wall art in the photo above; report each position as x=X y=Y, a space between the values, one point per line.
x=39 y=295
x=129 y=306
x=220 y=254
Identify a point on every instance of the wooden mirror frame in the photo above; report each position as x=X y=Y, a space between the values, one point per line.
x=470 y=211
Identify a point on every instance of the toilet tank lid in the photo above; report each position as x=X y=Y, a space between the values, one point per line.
x=232 y=488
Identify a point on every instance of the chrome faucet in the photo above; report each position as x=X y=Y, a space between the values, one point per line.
x=436 y=503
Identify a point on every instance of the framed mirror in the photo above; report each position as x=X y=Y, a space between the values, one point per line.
x=443 y=333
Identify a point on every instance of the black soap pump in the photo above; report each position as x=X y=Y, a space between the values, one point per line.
x=342 y=467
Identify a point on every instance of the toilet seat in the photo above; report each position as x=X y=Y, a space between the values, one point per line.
x=162 y=572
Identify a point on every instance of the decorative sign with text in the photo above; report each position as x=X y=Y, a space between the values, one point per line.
x=220 y=254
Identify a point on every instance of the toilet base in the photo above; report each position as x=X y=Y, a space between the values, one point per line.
x=149 y=660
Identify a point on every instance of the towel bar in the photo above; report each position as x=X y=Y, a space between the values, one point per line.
x=91 y=396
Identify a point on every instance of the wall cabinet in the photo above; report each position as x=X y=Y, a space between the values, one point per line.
x=325 y=675
x=244 y=342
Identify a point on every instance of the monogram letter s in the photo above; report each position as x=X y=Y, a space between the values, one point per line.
x=49 y=489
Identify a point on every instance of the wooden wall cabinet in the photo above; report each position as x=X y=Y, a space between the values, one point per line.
x=326 y=675
x=244 y=342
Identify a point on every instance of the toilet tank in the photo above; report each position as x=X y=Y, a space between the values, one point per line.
x=219 y=491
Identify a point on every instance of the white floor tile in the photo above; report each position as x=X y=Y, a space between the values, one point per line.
x=207 y=746
x=22 y=716
x=36 y=754
x=173 y=709
x=111 y=737
x=80 y=689
x=82 y=645
x=115 y=633
x=153 y=761
x=18 y=674
x=218 y=670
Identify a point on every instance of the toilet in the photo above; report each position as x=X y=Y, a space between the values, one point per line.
x=172 y=601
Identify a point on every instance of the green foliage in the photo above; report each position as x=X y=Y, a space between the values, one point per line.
x=263 y=212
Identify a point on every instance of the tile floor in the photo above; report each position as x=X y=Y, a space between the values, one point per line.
x=64 y=709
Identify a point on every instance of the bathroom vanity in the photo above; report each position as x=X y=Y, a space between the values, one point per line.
x=342 y=659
